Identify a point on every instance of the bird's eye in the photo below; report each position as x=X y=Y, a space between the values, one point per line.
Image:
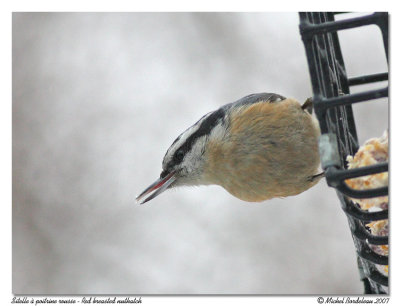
x=178 y=157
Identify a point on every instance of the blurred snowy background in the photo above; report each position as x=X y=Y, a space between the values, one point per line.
x=98 y=98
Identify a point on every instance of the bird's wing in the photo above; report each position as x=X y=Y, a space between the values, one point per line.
x=256 y=98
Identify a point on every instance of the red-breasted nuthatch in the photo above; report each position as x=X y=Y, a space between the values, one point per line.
x=257 y=148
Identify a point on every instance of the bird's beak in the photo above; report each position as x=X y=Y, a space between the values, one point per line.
x=156 y=188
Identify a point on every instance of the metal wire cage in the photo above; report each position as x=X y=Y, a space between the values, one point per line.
x=333 y=108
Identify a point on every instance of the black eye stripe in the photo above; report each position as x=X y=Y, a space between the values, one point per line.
x=178 y=157
x=204 y=129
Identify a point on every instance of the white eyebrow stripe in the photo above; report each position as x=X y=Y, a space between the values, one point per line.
x=181 y=140
x=189 y=133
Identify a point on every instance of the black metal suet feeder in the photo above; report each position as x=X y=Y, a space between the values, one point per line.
x=333 y=107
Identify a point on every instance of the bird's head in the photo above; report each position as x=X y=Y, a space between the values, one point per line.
x=184 y=161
